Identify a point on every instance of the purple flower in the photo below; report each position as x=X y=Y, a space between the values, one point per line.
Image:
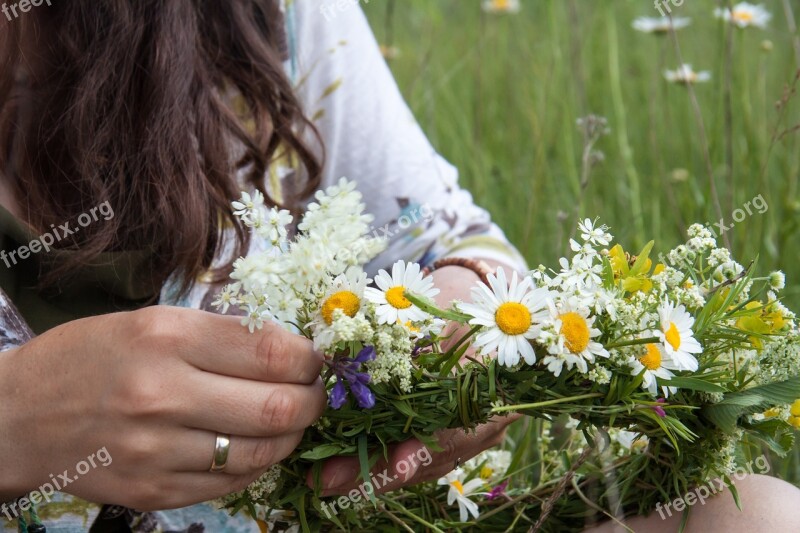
x=498 y=491
x=347 y=369
x=658 y=409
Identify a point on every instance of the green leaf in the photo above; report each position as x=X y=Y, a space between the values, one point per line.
x=641 y=261
x=363 y=460
x=430 y=307
x=326 y=450
x=726 y=413
x=688 y=383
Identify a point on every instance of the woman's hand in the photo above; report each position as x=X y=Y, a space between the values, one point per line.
x=405 y=466
x=153 y=388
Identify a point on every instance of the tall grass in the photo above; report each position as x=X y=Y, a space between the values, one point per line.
x=499 y=96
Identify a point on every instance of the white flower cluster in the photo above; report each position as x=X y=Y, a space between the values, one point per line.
x=280 y=282
x=257 y=490
x=315 y=282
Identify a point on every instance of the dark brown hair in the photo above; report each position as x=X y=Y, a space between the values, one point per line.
x=126 y=101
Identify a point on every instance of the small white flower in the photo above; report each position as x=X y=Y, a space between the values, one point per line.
x=493 y=465
x=745 y=14
x=686 y=76
x=275 y=227
x=391 y=304
x=247 y=203
x=656 y=364
x=501 y=6
x=677 y=337
x=460 y=492
x=227 y=297
x=598 y=236
x=510 y=316
x=635 y=442
x=660 y=24
x=777 y=280
x=255 y=317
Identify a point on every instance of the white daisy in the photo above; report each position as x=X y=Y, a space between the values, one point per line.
x=501 y=6
x=660 y=24
x=568 y=338
x=677 y=337
x=345 y=293
x=686 y=76
x=510 y=316
x=744 y=14
x=460 y=492
x=656 y=364
x=391 y=304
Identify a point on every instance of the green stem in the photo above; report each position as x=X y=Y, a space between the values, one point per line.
x=546 y=402
x=634 y=342
x=412 y=516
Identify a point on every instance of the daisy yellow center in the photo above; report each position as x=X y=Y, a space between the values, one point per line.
x=502 y=4
x=344 y=300
x=673 y=336
x=742 y=16
x=458 y=486
x=396 y=298
x=513 y=318
x=411 y=327
x=652 y=359
x=575 y=331
x=486 y=472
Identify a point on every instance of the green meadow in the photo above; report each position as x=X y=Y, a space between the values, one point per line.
x=499 y=95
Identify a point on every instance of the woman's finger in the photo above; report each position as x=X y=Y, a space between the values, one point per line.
x=411 y=462
x=221 y=345
x=249 y=408
x=194 y=450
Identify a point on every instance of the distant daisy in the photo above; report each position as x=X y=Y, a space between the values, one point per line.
x=572 y=341
x=501 y=6
x=685 y=75
x=460 y=492
x=391 y=304
x=745 y=14
x=510 y=315
x=660 y=24
x=677 y=337
x=656 y=365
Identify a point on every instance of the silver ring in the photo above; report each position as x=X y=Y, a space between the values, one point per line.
x=221 y=448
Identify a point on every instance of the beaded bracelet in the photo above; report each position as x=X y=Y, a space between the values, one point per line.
x=480 y=267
